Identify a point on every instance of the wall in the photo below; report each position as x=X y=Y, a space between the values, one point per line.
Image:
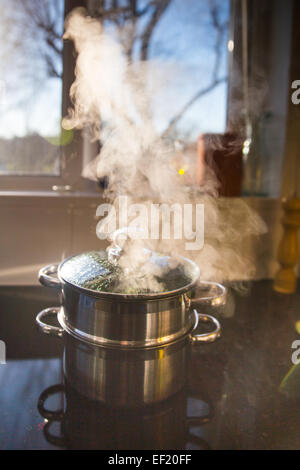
x=39 y=229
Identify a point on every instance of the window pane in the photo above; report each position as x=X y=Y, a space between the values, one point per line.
x=30 y=86
x=186 y=44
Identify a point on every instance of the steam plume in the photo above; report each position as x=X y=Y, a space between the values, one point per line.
x=112 y=97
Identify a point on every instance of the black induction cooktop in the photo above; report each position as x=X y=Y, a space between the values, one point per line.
x=237 y=395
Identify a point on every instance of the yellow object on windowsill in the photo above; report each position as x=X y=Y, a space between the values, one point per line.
x=288 y=253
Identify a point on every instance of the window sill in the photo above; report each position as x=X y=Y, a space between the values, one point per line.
x=51 y=197
x=68 y=194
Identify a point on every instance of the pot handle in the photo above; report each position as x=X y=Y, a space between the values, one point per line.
x=206 y=337
x=56 y=415
x=52 y=416
x=214 y=294
x=47 y=278
x=46 y=328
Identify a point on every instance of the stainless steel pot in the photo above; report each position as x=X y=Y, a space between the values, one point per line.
x=127 y=320
x=125 y=377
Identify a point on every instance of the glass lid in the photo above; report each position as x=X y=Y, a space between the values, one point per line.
x=140 y=272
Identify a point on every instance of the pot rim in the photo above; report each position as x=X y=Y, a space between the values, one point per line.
x=131 y=345
x=142 y=297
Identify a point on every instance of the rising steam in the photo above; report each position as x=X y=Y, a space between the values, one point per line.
x=113 y=98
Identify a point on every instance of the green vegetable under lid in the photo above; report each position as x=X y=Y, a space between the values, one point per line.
x=94 y=271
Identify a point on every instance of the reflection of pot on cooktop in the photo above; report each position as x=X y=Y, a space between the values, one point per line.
x=86 y=424
x=145 y=306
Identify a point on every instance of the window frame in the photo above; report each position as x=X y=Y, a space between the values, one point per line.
x=259 y=61
x=71 y=155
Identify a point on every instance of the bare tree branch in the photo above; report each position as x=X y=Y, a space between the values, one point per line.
x=220 y=30
x=52 y=71
x=129 y=15
x=40 y=16
x=52 y=44
x=198 y=95
x=125 y=15
x=161 y=7
x=215 y=81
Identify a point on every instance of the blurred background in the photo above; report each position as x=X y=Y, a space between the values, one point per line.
x=225 y=103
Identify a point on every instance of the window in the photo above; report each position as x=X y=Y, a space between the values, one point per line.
x=189 y=38
x=31 y=87
x=186 y=43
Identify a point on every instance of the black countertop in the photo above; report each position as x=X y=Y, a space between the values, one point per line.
x=236 y=396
